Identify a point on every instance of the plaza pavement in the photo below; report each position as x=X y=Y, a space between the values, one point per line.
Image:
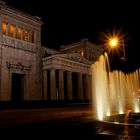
x=38 y=115
x=67 y=122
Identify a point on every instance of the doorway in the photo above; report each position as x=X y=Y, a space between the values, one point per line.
x=17 y=87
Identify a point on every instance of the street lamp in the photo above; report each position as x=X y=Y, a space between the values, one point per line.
x=115 y=42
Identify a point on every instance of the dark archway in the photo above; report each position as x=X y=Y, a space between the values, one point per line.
x=17 y=87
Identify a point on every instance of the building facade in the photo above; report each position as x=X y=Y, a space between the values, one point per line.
x=29 y=71
x=19 y=55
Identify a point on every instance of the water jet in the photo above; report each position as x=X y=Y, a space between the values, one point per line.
x=116 y=97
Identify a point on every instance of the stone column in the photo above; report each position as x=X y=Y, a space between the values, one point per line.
x=8 y=29
x=29 y=36
x=45 y=86
x=16 y=32
x=80 y=86
x=69 y=85
x=52 y=84
x=22 y=34
x=61 y=85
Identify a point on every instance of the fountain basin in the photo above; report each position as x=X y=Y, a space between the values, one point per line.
x=123 y=119
x=117 y=126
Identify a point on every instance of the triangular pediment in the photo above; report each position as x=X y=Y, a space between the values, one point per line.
x=73 y=57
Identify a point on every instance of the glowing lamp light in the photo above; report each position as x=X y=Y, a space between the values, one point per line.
x=113 y=42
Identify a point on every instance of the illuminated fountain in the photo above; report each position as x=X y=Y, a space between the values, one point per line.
x=114 y=93
x=116 y=96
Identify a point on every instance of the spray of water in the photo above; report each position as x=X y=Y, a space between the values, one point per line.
x=114 y=92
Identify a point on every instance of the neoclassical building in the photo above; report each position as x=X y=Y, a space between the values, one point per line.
x=29 y=71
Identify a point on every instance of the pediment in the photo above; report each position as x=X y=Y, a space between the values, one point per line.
x=74 y=57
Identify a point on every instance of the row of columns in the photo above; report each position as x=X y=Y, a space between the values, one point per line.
x=25 y=34
x=58 y=85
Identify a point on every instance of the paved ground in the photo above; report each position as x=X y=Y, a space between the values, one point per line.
x=61 y=122
x=38 y=115
x=68 y=122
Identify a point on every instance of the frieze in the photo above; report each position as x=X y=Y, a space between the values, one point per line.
x=17 y=44
x=74 y=58
x=77 y=58
x=18 y=66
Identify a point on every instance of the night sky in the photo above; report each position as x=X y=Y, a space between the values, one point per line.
x=69 y=21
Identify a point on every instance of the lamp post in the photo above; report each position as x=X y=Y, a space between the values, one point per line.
x=124 y=57
x=116 y=42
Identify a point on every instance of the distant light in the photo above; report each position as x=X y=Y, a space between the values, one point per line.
x=116 y=122
x=136 y=109
x=121 y=112
x=82 y=53
x=108 y=114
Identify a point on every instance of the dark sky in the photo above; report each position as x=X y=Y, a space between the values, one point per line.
x=69 y=21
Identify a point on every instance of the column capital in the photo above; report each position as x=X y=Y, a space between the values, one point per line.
x=80 y=74
x=60 y=70
x=69 y=72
